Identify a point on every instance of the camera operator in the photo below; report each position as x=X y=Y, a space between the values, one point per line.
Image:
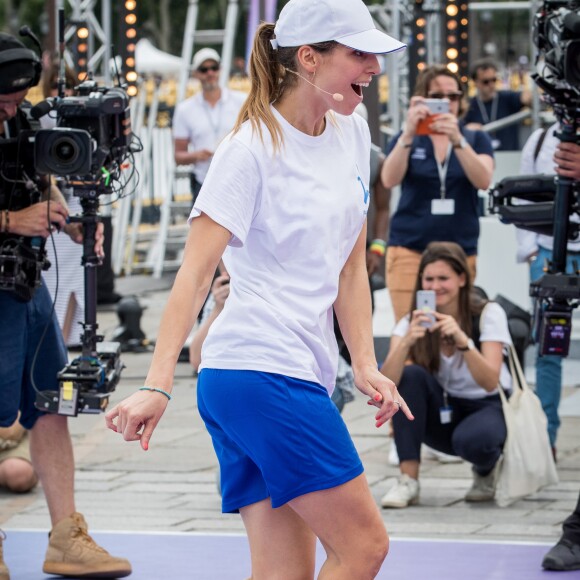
x=32 y=347
x=545 y=153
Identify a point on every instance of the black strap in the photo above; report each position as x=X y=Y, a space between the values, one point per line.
x=476 y=330
x=539 y=144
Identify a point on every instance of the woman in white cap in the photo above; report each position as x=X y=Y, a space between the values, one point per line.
x=286 y=198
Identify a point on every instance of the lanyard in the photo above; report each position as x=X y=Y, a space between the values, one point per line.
x=214 y=120
x=442 y=170
x=494 y=104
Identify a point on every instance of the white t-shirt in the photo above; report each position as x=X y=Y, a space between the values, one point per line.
x=454 y=375
x=529 y=242
x=205 y=126
x=295 y=217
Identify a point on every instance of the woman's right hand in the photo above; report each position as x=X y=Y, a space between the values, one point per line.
x=418 y=327
x=220 y=289
x=137 y=416
x=416 y=113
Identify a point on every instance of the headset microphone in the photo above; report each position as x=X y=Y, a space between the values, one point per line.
x=336 y=96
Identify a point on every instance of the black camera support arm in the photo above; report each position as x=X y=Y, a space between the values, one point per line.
x=562 y=204
x=89 y=220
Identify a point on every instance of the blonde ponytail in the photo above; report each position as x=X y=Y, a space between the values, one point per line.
x=267 y=84
x=269 y=80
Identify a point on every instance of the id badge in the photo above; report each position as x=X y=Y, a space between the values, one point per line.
x=442 y=206
x=445 y=415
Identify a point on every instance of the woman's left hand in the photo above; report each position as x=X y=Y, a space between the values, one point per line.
x=382 y=394
x=449 y=328
x=447 y=124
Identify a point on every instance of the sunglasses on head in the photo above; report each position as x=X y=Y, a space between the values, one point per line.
x=488 y=81
x=212 y=67
x=454 y=97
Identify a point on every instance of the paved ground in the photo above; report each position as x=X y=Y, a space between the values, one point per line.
x=172 y=486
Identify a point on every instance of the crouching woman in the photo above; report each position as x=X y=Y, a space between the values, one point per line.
x=448 y=364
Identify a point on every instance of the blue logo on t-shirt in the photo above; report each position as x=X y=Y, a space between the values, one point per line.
x=419 y=153
x=366 y=192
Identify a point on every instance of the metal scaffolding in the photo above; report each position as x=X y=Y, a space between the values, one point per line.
x=100 y=38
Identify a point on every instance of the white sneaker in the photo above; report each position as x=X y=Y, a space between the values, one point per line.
x=404 y=493
x=483 y=486
x=430 y=453
x=393 y=455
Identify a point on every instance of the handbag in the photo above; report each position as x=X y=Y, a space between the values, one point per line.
x=527 y=464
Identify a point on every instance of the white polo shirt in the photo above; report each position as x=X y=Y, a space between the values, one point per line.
x=205 y=126
x=295 y=217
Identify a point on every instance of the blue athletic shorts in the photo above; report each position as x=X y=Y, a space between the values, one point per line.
x=275 y=436
x=21 y=330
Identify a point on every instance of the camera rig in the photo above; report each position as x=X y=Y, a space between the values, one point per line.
x=87 y=150
x=545 y=204
x=86 y=382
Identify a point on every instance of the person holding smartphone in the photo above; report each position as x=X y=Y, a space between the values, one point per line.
x=440 y=166
x=448 y=363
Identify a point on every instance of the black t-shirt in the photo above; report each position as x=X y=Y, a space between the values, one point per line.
x=17 y=165
x=508 y=103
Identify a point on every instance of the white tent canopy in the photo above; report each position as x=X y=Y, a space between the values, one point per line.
x=152 y=61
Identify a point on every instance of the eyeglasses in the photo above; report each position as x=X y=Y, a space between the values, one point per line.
x=213 y=67
x=453 y=97
x=488 y=81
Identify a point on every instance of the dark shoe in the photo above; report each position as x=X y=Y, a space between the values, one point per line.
x=563 y=556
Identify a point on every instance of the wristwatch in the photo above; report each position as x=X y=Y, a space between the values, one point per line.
x=461 y=144
x=469 y=346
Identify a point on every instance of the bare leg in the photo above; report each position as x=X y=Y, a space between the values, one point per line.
x=410 y=468
x=282 y=545
x=68 y=318
x=349 y=525
x=52 y=456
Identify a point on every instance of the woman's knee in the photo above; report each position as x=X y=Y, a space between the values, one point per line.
x=372 y=565
x=18 y=475
x=367 y=559
x=414 y=377
x=477 y=446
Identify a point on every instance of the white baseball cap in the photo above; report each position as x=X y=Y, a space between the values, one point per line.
x=348 y=22
x=202 y=55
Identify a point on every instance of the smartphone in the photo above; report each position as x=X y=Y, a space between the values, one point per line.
x=426 y=303
x=436 y=107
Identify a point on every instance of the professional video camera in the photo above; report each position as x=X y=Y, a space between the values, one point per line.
x=546 y=204
x=92 y=137
x=556 y=34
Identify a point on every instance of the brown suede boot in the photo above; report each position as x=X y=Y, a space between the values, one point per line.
x=4 y=574
x=72 y=552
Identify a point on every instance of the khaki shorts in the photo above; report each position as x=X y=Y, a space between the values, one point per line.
x=402 y=269
x=20 y=451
